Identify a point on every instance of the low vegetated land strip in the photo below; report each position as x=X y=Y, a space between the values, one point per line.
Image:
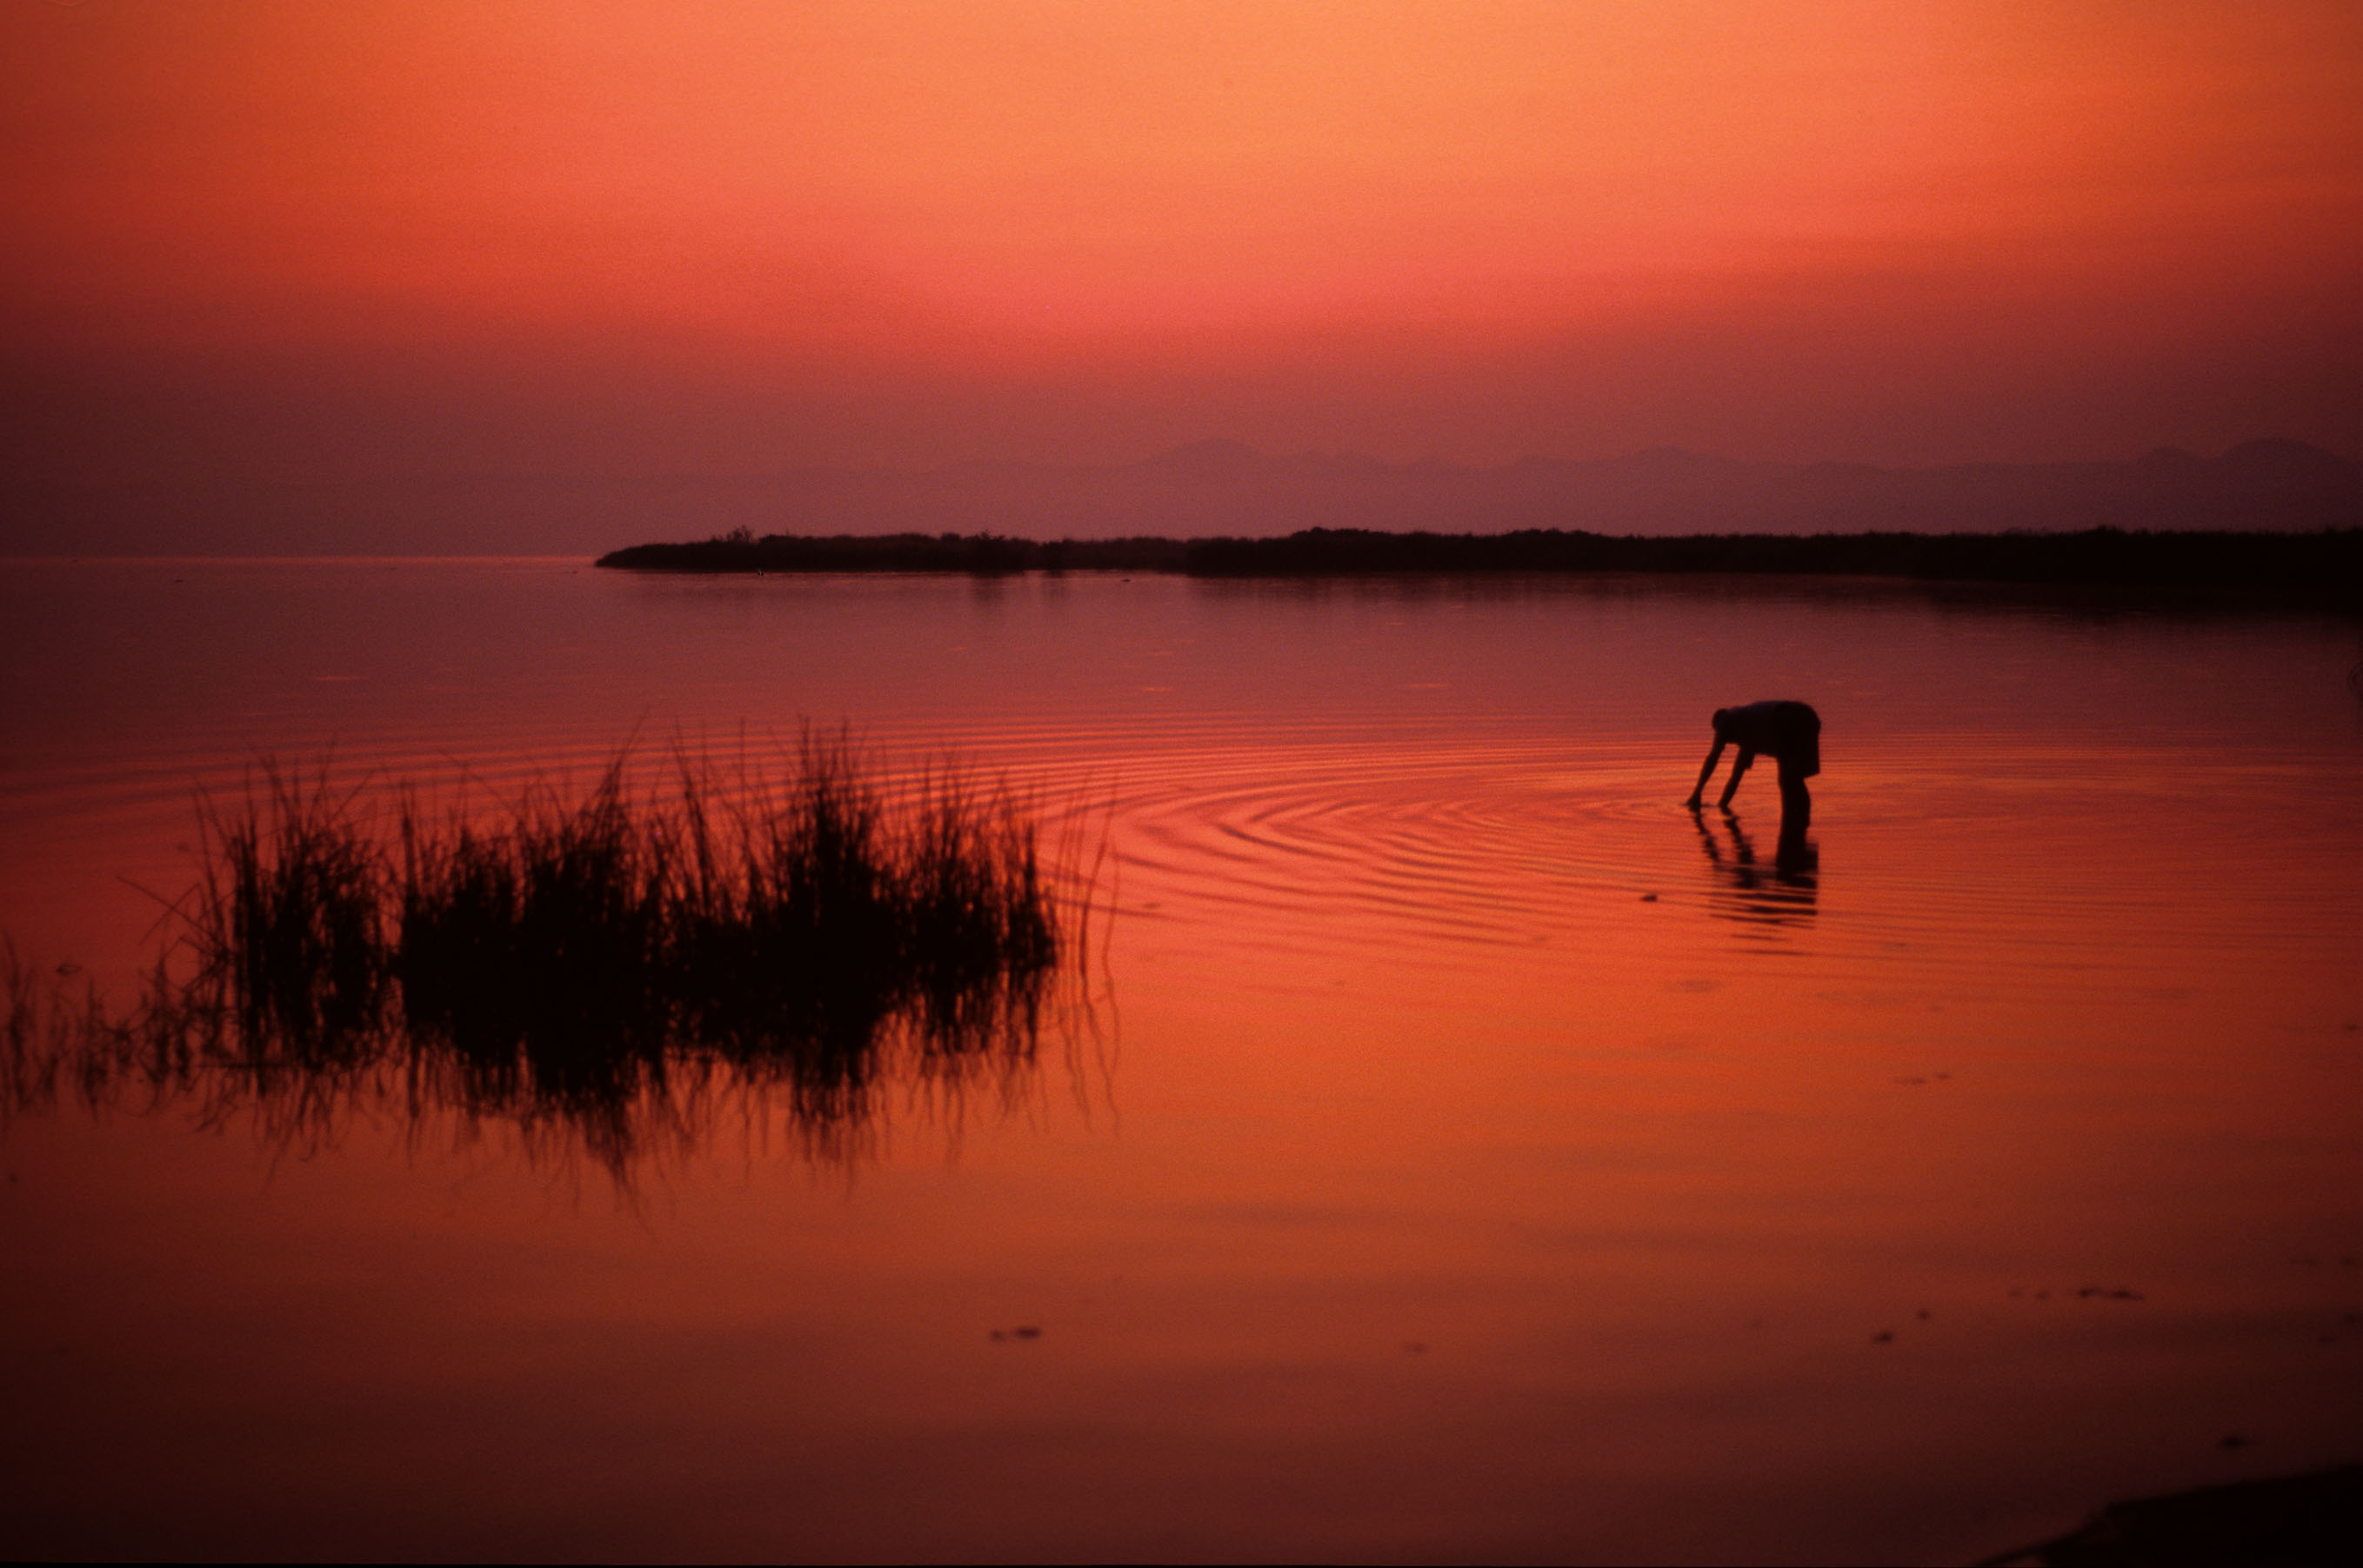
x=2317 y=568
x=742 y=551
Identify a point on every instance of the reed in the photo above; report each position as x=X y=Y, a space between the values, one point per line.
x=792 y=927
x=289 y=925
x=536 y=952
x=596 y=961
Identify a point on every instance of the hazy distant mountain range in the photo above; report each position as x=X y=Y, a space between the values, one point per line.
x=1216 y=487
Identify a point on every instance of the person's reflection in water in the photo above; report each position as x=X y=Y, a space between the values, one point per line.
x=1781 y=895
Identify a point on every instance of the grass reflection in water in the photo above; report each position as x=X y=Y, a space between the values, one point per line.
x=608 y=968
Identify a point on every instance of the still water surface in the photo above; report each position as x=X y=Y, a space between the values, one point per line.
x=1461 y=1152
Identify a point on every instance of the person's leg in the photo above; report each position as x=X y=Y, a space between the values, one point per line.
x=1796 y=801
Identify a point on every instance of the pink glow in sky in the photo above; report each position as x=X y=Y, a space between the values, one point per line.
x=353 y=240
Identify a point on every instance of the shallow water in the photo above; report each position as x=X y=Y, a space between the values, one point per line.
x=1465 y=1152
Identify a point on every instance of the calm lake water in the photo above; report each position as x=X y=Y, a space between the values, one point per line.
x=1458 y=1150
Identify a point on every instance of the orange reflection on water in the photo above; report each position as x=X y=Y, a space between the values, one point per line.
x=1478 y=1155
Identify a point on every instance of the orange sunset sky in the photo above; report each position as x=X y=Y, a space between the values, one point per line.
x=338 y=242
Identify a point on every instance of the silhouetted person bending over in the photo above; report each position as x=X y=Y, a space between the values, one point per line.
x=1792 y=732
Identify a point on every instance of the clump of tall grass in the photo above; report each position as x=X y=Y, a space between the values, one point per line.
x=289 y=924
x=824 y=908
x=799 y=926
x=577 y=956
x=759 y=920
x=536 y=952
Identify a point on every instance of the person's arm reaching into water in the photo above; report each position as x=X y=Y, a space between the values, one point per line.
x=1705 y=773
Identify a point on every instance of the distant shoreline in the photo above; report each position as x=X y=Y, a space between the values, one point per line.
x=2322 y=569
